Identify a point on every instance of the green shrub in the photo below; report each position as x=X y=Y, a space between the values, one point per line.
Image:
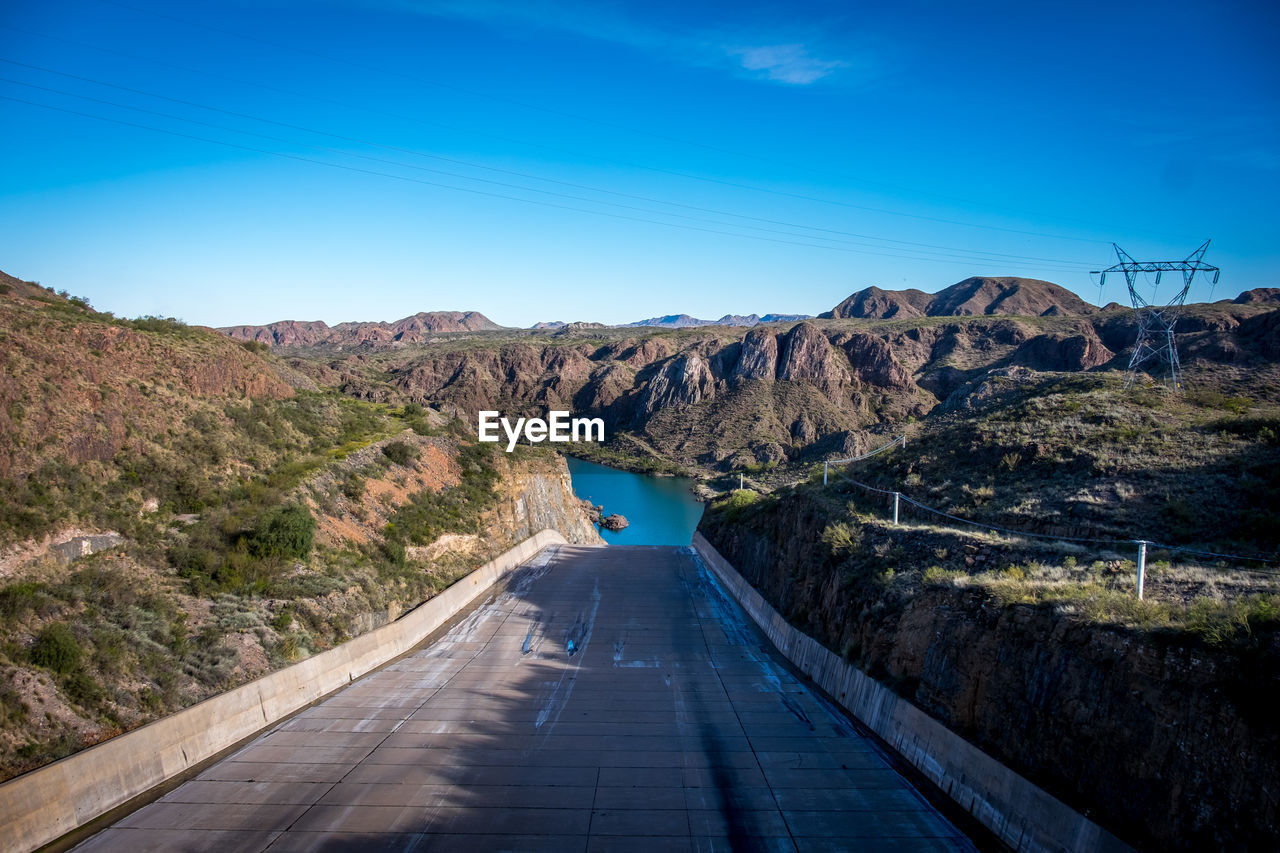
x=20 y=599
x=353 y=485
x=258 y=347
x=400 y=453
x=283 y=620
x=160 y=325
x=13 y=710
x=738 y=501
x=841 y=538
x=56 y=649
x=938 y=576
x=287 y=532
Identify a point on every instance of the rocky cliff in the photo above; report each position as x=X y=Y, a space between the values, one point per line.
x=538 y=494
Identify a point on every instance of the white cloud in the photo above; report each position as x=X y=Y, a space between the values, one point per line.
x=733 y=46
x=787 y=63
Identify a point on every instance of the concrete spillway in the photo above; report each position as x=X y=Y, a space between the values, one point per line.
x=604 y=699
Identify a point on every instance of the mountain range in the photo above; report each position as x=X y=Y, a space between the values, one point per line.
x=973 y=296
x=1027 y=297
x=419 y=327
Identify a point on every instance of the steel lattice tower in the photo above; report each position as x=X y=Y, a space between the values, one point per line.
x=1156 y=322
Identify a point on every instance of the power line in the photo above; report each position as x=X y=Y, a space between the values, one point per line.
x=1024 y=533
x=944 y=253
x=625 y=128
x=528 y=143
x=796 y=242
x=470 y=190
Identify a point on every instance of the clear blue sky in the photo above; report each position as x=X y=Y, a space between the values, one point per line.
x=244 y=162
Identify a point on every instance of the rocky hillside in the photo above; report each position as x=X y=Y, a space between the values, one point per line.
x=180 y=512
x=708 y=399
x=81 y=387
x=419 y=327
x=1154 y=716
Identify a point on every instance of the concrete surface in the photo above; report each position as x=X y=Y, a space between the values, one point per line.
x=1020 y=813
x=610 y=698
x=45 y=804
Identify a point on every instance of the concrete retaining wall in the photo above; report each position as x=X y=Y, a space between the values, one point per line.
x=45 y=804
x=1019 y=812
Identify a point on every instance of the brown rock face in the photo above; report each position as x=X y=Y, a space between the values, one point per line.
x=1064 y=352
x=759 y=356
x=876 y=304
x=682 y=381
x=807 y=356
x=873 y=363
x=647 y=352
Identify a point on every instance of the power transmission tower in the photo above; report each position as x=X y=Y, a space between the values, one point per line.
x=1156 y=322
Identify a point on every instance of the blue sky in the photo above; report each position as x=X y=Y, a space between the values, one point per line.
x=245 y=162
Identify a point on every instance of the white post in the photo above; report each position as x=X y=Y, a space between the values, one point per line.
x=824 y=473
x=896 y=495
x=739 y=481
x=1142 y=565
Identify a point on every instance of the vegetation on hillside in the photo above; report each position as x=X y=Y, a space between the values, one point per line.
x=1085 y=468
x=255 y=523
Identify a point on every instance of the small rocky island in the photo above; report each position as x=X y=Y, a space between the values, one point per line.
x=615 y=521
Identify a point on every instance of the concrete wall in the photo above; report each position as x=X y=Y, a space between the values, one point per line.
x=45 y=804
x=1020 y=813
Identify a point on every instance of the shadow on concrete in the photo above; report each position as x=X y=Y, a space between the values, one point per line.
x=607 y=699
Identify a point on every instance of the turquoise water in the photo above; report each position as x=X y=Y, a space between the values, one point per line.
x=662 y=510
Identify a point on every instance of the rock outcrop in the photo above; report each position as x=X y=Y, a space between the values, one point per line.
x=683 y=381
x=807 y=356
x=758 y=358
x=1082 y=351
x=873 y=362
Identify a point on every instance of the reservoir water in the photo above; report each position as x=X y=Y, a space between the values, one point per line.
x=661 y=510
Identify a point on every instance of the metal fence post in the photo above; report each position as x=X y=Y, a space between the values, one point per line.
x=896 y=495
x=1142 y=565
x=739 y=481
x=824 y=473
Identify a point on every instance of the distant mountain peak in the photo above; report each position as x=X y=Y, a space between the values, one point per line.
x=977 y=295
x=684 y=321
x=417 y=327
